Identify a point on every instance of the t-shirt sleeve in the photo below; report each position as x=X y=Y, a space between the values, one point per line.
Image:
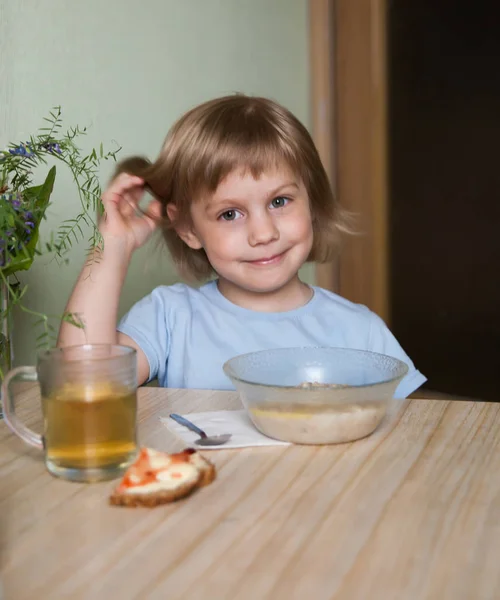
x=146 y=323
x=384 y=342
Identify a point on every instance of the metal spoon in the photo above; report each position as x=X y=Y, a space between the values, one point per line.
x=204 y=439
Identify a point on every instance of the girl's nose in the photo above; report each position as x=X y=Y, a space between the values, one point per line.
x=263 y=231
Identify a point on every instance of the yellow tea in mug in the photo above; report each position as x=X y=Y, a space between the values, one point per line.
x=90 y=426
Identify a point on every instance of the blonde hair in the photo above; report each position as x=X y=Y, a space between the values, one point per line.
x=217 y=137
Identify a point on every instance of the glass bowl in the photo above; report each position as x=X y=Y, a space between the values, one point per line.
x=315 y=395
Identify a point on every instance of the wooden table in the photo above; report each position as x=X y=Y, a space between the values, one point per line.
x=411 y=512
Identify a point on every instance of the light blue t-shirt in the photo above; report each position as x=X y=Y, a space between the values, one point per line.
x=187 y=334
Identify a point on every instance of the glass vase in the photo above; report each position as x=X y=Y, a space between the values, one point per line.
x=6 y=351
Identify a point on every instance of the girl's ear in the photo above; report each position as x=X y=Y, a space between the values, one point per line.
x=185 y=232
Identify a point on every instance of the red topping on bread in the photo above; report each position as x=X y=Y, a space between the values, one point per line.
x=157 y=477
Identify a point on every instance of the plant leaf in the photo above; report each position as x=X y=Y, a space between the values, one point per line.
x=41 y=196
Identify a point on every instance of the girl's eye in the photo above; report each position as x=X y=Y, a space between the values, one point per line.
x=279 y=202
x=230 y=215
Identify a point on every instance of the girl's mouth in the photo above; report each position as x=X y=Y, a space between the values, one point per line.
x=271 y=260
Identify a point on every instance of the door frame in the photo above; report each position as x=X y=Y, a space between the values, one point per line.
x=349 y=126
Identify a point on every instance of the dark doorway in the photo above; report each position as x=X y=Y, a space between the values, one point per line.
x=444 y=139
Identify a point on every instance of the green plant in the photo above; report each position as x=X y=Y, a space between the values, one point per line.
x=23 y=207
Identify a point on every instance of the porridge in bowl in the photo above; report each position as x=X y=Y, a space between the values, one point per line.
x=312 y=385
x=315 y=422
x=305 y=423
x=312 y=395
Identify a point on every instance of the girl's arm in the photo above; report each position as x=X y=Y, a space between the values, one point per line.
x=96 y=295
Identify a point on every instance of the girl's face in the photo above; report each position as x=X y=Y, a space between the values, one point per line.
x=256 y=233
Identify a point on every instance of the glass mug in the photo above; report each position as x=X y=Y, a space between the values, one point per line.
x=89 y=405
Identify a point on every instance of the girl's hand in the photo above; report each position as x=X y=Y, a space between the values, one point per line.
x=122 y=218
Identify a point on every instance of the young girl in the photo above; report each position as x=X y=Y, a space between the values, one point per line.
x=242 y=195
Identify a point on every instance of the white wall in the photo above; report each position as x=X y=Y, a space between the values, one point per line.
x=129 y=69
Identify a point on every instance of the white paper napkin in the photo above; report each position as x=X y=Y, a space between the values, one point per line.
x=236 y=422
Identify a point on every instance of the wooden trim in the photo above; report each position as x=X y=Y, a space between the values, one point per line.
x=380 y=152
x=348 y=83
x=321 y=53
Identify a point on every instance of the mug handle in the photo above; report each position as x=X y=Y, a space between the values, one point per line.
x=9 y=406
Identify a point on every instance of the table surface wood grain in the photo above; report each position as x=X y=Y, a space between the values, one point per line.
x=411 y=512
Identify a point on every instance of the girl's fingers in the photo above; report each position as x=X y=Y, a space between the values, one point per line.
x=121 y=202
x=126 y=207
x=123 y=185
x=152 y=214
x=153 y=211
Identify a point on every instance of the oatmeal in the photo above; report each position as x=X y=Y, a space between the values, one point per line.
x=318 y=424
x=312 y=385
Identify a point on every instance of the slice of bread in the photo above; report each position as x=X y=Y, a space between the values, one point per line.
x=204 y=466
x=157 y=478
